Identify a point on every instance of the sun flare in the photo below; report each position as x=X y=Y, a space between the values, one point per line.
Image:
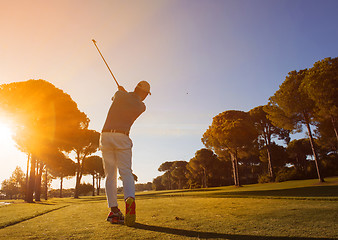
x=5 y=134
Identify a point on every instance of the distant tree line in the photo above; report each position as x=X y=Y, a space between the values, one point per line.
x=15 y=187
x=242 y=147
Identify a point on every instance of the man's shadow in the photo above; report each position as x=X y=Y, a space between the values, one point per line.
x=206 y=235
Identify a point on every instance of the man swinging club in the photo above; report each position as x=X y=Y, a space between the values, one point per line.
x=116 y=147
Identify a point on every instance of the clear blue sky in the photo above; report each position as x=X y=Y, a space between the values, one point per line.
x=201 y=57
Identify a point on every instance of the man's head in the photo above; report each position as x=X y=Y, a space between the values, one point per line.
x=142 y=89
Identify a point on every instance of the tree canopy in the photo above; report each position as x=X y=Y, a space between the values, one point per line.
x=296 y=107
x=233 y=132
x=320 y=84
x=41 y=114
x=266 y=131
x=93 y=165
x=44 y=120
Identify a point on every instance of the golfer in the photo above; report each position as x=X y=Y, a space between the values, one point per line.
x=116 y=150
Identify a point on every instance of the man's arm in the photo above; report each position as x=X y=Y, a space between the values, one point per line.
x=119 y=92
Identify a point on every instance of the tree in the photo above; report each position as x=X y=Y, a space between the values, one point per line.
x=14 y=186
x=157 y=183
x=325 y=134
x=298 y=150
x=9 y=188
x=267 y=131
x=167 y=178
x=178 y=172
x=290 y=108
x=278 y=153
x=194 y=175
x=167 y=181
x=203 y=164
x=93 y=165
x=140 y=187
x=320 y=84
x=231 y=132
x=251 y=166
x=44 y=118
x=61 y=167
x=174 y=176
x=86 y=143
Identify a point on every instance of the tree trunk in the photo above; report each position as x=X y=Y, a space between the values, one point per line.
x=97 y=185
x=267 y=139
x=298 y=165
x=77 y=185
x=78 y=177
x=99 y=188
x=205 y=178
x=46 y=184
x=270 y=167
x=27 y=174
x=321 y=179
x=79 y=174
x=234 y=168
x=61 y=182
x=39 y=168
x=31 y=185
x=93 y=185
x=170 y=181
x=237 y=172
x=334 y=128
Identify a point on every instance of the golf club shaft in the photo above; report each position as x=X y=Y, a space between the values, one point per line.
x=105 y=62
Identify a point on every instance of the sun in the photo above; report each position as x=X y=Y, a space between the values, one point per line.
x=10 y=156
x=5 y=134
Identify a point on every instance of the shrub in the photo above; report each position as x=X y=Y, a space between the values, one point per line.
x=264 y=178
x=286 y=174
x=85 y=189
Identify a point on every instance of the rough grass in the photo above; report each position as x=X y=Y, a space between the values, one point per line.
x=291 y=210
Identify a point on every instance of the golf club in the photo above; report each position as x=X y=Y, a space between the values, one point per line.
x=105 y=62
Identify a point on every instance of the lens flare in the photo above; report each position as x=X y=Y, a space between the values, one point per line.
x=5 y=134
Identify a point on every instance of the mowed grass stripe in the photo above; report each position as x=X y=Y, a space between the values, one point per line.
x=295 y=190
x=17 y=213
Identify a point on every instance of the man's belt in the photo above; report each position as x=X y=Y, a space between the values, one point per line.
x=116 y=131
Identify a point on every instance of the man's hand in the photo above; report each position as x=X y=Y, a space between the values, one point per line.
x=122 y=89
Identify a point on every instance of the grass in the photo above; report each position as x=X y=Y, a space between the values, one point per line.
x=305 y=189
x=289 y=210
x=19 y=212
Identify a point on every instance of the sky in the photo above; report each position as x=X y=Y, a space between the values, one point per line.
x=201 y=57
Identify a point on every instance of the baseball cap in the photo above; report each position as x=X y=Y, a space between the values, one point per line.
x=144 y=86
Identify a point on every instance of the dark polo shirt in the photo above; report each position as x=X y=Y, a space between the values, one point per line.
x=124 y=110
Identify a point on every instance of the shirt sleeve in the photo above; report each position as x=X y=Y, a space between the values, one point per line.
x=117 y=94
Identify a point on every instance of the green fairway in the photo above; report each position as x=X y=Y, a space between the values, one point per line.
x=290 y=210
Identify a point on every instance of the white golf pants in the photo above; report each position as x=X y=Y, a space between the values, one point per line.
x=117 y=154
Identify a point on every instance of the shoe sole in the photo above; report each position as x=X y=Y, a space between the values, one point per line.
x=130 y=217
x=113 y=222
